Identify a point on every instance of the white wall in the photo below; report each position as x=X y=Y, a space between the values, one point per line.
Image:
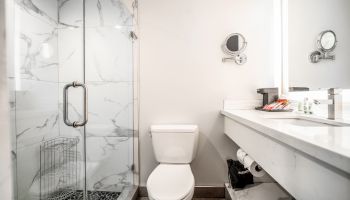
x=182 y=78
x=5 y=142
x=306 y=19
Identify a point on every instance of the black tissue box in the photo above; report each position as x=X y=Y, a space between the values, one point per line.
x=238 y=175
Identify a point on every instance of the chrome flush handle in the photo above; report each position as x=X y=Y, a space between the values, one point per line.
x=66 y=120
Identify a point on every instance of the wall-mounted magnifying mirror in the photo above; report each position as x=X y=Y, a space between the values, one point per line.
x=326 y=43
x=234 y=45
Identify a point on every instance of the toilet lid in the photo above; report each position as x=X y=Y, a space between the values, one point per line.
x=170 y=182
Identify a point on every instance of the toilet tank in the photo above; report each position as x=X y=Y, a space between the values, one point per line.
x=175 y=143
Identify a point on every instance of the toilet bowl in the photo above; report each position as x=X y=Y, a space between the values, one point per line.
x=174 y=146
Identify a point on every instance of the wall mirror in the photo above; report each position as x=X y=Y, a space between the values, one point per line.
x=234 y=46
x=316 y=44
x=327 y=41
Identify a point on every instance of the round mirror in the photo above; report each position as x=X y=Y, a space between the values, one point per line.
x=327 y=41
x=234 y=44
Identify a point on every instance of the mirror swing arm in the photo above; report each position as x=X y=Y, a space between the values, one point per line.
x=231 y=46
x=323 y=53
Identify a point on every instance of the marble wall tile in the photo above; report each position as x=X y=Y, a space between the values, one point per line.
x=110 y=161
x=107 y=13
x=45 y=10
x=110 y=109
x=108 y=54
x=36 y=112
x=28 y=165
x=35 y=48
x=71 y=58
x=70 y=13
x=98 y=13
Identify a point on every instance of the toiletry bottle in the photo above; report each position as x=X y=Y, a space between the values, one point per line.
x=310 y=110
x=306 y=110
x=300 y=107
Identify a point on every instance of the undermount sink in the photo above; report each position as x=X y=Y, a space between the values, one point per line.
x=302 y=122
x=310 y=122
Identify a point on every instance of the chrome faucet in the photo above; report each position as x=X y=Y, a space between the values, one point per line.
x=334 y=102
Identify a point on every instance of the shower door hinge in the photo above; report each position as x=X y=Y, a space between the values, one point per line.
x=133 y=35
x=132 y=167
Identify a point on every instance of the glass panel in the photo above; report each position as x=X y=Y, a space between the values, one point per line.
x=49 y=154
x=46 y=52
x=109 y=76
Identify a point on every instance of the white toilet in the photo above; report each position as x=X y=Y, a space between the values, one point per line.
x=175 y=147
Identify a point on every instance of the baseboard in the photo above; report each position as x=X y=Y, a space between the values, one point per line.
x=199 y=192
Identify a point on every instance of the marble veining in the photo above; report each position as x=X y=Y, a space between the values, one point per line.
x=110 y=113
x=115 y=64
x=101 y=13
x=38 y=61
x=39 y=9
x=107 y=13
x=112 y=155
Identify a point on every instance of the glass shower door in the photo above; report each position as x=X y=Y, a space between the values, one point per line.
x=109 y=77
x=71 y=87
x=49 y=156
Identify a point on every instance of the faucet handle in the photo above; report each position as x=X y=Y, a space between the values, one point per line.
x=334 y=91
x=323 y=101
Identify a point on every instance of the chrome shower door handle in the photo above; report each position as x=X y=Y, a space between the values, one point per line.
x=65 y=105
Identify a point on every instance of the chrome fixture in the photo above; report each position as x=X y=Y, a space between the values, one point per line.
x=65 y=105
x=326 y=43
x=133 y=35
x=269 y=95
x=234 y=45
x=334 y=103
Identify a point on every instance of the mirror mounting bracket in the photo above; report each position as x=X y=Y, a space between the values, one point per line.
x=234 y=46
x=317 y=56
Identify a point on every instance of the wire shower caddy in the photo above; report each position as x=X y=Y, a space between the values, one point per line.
x=59 y=168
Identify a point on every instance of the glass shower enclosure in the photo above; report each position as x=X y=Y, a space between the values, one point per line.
x=71 y=77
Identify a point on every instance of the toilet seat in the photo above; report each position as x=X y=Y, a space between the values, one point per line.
x=171 y=182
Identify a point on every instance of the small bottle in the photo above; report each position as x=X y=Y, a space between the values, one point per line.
x=306 y=110
x=300 y=107
x=310 y=110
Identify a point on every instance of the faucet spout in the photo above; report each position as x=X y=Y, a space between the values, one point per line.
x=334 y=102
x=335 y=110
x=323 y=101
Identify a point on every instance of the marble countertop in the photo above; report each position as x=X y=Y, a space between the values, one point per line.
x=329 y=144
